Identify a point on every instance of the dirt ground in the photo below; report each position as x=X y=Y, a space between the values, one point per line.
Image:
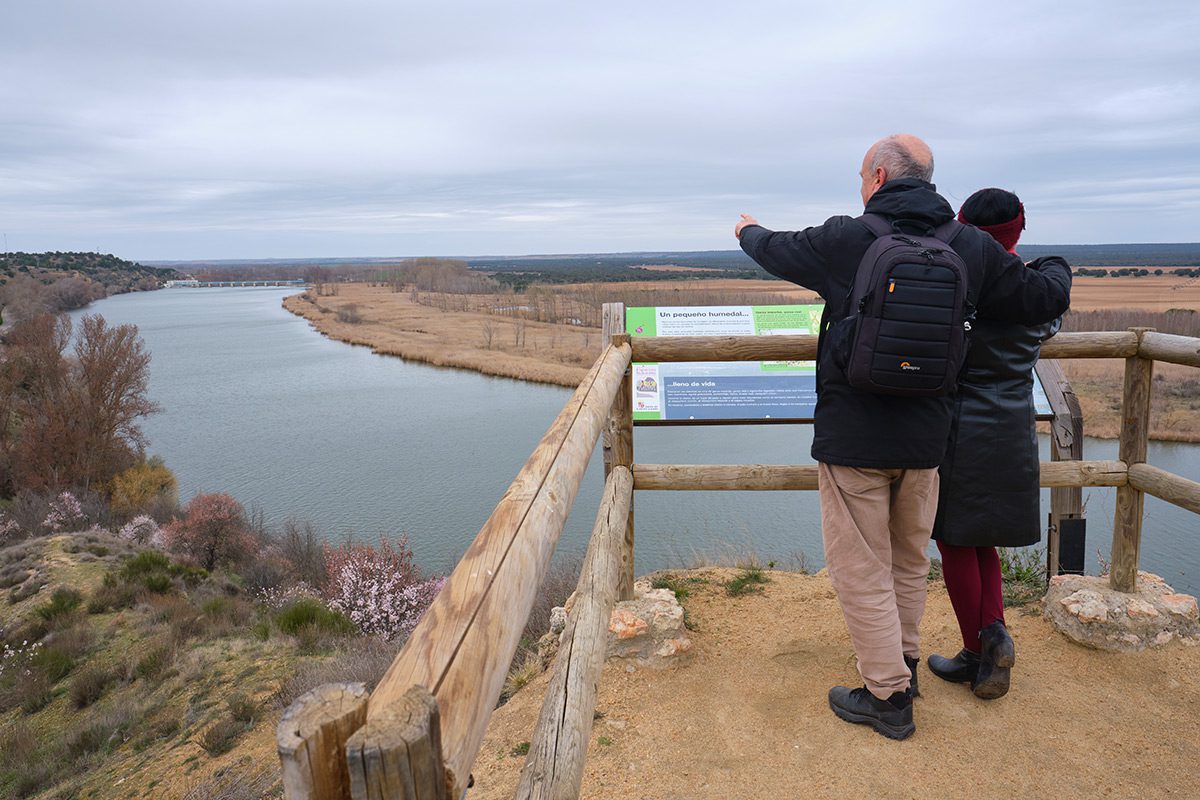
x=748 y=716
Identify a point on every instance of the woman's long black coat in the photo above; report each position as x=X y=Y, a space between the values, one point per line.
x=989 y=479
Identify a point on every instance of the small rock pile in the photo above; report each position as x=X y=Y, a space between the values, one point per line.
x=647 y=631
x=1087 y=610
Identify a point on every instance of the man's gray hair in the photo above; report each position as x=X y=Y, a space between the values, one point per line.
x=900 y=161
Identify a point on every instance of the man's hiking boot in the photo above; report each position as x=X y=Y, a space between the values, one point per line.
x=997 y=655
x=963 y=668
x=892 y=717
x=912 y=667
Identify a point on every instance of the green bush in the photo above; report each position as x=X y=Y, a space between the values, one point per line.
x=61 y=607
x=89 y=685
x=310 y=613
x=54 y=662
x=242 y=708
x=147 y=562
x=221 y=736
x=159 y=584
x=113 y=595
x=36 y=691
x=155 y=662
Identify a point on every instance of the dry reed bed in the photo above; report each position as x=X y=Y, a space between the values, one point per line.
x=537 y=335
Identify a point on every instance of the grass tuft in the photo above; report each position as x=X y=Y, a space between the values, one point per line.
x=748 y=581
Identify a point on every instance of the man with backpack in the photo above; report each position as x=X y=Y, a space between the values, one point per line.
x=901 y=285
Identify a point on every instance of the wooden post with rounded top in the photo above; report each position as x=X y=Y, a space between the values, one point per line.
x=311 y=738
x=1135 y=429
x=618 y=438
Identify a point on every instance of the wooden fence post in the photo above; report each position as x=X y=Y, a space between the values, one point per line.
x=311 y=738
x=1135 y=429
x=399 y=753
x=1066 y=444
x=554 y=767
x=618 y=438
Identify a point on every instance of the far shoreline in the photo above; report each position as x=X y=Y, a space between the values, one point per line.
x=390 y=323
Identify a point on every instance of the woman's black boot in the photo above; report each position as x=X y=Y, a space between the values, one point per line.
x=963 y=668
x=997 y=655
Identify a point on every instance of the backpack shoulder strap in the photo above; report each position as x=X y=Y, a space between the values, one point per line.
x=948 y=231
x=877 y=224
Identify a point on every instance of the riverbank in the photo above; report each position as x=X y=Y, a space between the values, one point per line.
x=747 y=716
x=435 y=332
x=390 y=323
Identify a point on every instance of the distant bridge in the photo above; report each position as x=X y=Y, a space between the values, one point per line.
x=194 y=284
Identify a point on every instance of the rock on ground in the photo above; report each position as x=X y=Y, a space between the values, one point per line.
x=1087 y=610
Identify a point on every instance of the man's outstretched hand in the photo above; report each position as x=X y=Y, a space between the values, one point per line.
x=742 y=223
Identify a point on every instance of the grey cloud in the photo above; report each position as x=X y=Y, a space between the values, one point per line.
x=272 y=128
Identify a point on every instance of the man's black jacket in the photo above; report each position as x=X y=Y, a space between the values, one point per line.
x=861 y=429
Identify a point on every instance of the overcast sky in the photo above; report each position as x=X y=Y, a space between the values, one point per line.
x=264 y=128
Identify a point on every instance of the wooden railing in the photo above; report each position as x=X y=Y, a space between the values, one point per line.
x=418 y=733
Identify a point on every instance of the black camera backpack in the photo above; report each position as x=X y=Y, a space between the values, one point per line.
x=905 y=324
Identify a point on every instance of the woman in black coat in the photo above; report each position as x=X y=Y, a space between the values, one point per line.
x=989 y=493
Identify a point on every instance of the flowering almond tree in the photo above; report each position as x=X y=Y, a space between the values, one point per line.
x=379 y=588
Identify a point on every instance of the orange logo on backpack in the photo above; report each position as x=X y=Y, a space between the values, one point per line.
x=908 y=366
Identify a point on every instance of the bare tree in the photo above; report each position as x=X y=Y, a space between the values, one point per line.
x=489 y=331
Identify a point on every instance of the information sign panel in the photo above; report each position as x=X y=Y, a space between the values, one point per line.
x=739 y=391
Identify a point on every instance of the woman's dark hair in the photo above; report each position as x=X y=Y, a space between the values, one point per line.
x=991 y=207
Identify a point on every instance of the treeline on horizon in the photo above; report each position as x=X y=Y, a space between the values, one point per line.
x=519 y=272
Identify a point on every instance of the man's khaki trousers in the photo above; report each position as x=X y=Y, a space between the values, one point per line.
x=876 y=524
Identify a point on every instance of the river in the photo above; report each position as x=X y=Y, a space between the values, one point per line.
x=258 y=404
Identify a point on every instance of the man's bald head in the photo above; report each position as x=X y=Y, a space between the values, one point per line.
x=901 y=155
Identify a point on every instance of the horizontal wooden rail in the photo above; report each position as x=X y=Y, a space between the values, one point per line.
x=1166 y=485
x=1170 y=348
x=724 y=477
x=724 y=348
x=1091 y=344
x=788 y=477
x=461 y=649
x=1098 y=344
x=554 y=767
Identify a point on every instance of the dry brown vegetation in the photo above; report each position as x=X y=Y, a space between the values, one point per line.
x=551 y=334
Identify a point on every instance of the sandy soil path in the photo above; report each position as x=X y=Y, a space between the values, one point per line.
x=747 y=717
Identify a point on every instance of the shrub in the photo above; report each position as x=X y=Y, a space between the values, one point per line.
x=54 y=662
x=104 y=733
x=361 y=660
x=155 y=662
x=61 y=607
x=143 y=487
x=308 y=612
x=112 y=595
x=141 y=530
x=221 y=736
x=145 y=563
x=10 y=530
x=213 y=531
x=379 y=589
x=349 y=313
x=89 y=685
x=301 y=547
x=65 y=513
x=35 y=691
x=242 y=708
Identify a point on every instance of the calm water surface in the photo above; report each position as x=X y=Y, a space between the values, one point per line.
x=259 y=405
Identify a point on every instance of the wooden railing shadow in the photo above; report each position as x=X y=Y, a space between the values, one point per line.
x=417 y=734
